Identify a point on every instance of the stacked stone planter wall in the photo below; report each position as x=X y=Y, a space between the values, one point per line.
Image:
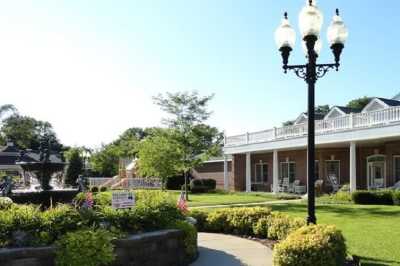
x=160 y=248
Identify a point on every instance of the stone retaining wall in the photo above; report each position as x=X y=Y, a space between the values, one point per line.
x=160 y=248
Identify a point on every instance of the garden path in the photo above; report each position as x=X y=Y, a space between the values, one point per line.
x=226 y=250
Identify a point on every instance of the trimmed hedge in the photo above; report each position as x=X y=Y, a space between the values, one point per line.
x=44 y=198
x=378 y=197
x=396 y=197
x=317 y=245
x=175 y=182
x=202 y=185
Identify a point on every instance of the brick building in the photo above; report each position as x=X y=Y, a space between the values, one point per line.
x=356 y=147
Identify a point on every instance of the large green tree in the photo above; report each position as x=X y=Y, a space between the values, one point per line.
x=359 y=103
x=26 y=132
x=160 y=156
x=75 y=165
x=105 y=161
x=187 y=116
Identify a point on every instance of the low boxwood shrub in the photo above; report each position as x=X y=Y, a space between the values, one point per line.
x=175 y=182
x=235 y=220
x=201 y=219
x=378 y=197
x=85 y=247
x=317 y=245
x=210 y=183
x=281 y=225
x=260 y=229
x=103 y=189
x=396 y=197
x=197 y=186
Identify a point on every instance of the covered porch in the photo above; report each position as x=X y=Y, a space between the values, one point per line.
x=372 y=164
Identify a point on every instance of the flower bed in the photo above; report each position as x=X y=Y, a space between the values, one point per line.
x=323 y=243
x=29 y=226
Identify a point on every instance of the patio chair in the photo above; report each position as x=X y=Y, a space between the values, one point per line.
x=334 y=183
x=298 y=188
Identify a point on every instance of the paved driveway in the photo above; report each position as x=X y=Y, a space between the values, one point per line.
x=226 y=250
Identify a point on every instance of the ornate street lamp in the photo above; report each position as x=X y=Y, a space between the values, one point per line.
x=310 y=21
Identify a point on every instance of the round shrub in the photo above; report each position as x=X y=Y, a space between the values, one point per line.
x=103 y=189
x=281 y=225
x=85 y=247
x=317 y=245
x=5 y=203
x=94 y=189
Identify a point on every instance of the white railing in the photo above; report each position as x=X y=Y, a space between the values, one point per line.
x=347 y=122
x=126 y=183
x=99 y=181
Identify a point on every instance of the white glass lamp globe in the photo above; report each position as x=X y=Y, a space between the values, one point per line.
x=285 y=36
x=337 y=31
x=317 y=47
x=310 y=19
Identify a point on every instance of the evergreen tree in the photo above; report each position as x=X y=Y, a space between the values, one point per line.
x=75 y=166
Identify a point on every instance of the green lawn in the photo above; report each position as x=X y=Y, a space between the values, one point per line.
x=221 y=198
x=372 y=232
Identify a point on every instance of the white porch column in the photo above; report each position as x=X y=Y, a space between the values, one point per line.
x=226 y=176
x=275 y=172
x=353 y=167
x=248 y=172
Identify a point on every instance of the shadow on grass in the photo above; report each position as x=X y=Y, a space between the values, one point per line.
x=349 y=210
x=365 y=261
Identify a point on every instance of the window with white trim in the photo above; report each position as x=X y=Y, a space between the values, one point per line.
x=260 y=173
x=288 y=170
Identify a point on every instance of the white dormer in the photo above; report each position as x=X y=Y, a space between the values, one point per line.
x=375 y=105
x=335 y=112
x=301 y=119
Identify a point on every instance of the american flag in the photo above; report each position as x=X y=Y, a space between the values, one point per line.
x=181 y=204
x=88 y=201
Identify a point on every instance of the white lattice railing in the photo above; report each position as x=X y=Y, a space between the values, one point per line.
x=127 y=183
x=347 y=122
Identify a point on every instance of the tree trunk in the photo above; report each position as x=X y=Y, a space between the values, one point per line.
x=186 y=186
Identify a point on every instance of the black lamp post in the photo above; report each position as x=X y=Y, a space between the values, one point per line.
x=310 y=21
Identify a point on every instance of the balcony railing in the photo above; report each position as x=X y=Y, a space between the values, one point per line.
x=343 y=123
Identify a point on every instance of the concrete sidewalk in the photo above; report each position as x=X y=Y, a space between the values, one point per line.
x=226 y=250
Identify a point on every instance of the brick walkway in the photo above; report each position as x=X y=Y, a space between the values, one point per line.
x=226 y=250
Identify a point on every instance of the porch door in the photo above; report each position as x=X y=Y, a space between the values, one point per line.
x=376 y=174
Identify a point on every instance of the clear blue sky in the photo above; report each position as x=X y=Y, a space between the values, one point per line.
x=97 y=63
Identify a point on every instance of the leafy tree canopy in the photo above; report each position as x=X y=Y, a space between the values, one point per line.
x=359 y=103
x=160 y=156
x=188 y=112
x=26 y=132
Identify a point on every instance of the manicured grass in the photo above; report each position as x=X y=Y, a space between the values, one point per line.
x=372 y=232
x=222 y=198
